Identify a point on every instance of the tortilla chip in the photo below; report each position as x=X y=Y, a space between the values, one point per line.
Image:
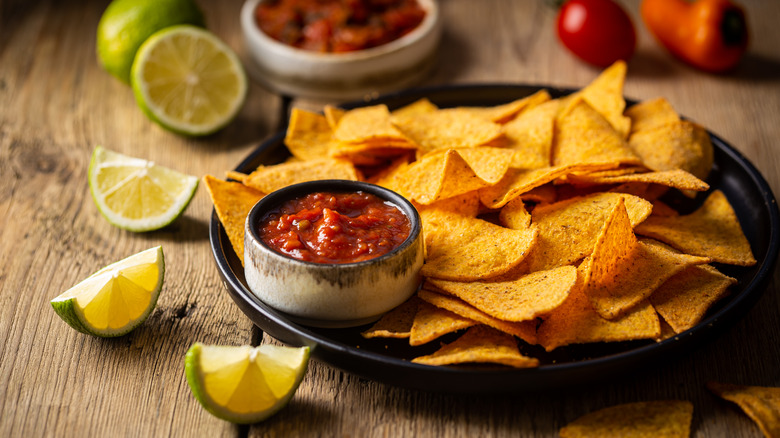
x=333 y=115
x=650 y=114
x=480 y=344
x=520 y=300
x=514 y=215
x=517 y=182
x=677 y=178
x=576 y=322
x=504 y=113
x=681 y=145
x=525 y=330
x=531 y=136
x=712 y=230
x=270 y=178
x=466 y=204
x=232 y=202
x=396 y=323
x=660 y=418
x=605 y=95
x=466 y=248
x=447 y=129
x=624 y=271
x=582 y=135
x=760 y=403
x=308 y=136
x=432 y=322
x=366 y=124
x=420 y=106
x=684 y=298
x=568 y=229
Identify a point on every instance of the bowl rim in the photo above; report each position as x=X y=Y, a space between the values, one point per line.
x=275 y=198
x=253 y=31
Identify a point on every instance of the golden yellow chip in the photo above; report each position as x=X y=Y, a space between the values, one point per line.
x=712 y=230
x=270 y=178
x=530 y=135
x=582 y=135
x=605 y=95
x=624 y=271
x=432 y=322
x=568 y=229
x=232 y=202
x=517 y=182
x=366 y=124
x=420 y=106
x=660 y=208
x=519 y=300
x=684 y=299
x=447 y=129
x=396 y=323
x=333 y=115
x=525 y=330
x=308 y=136
x=650 y=114
x=677 y=178
x=508 y=111
x=438 y=176
x=760 y=403
x=466 y=248
x=681 y=145
x=466 y=204
x=648 y=419
x=515 y=215
x=480 y=344
x=576 y=322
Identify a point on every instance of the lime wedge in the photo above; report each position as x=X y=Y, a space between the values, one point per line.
x=116 y=299
x=245 y=384
x=135 y=194
x=188 y=81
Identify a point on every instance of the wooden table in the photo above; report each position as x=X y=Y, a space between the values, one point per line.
x=56 y=105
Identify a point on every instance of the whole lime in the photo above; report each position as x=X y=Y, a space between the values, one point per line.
x=126 y=24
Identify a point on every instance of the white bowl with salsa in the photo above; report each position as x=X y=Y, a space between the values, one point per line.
x=325 y=58
x=333 y=253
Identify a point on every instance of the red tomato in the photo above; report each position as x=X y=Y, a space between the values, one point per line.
x=598 y=31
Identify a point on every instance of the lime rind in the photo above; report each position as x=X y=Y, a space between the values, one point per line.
x=103 y=158
x=162 y=114
x=196 y=380
x=66 y=305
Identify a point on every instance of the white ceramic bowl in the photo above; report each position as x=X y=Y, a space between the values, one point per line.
x=350 y=75
x=332 y=295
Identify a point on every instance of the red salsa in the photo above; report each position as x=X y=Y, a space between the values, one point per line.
x=338 y=25
x=327 y=227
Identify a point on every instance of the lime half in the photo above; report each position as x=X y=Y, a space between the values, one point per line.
x=115 y=299
x=188 y=81
x=245 y=384
x=126 y=24
x=135 y=194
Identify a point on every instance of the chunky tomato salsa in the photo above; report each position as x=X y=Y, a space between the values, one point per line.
x=338 y=25
x=328 y=227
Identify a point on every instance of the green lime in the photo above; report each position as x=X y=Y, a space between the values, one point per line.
x=135 y=194
x=188 y=81
x=116 y=299
x=126 y=24
x=245 y=384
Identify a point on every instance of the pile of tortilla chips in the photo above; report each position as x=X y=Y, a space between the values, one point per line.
x=541 y=217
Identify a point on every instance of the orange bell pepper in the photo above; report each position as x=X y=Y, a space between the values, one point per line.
x=711 y=35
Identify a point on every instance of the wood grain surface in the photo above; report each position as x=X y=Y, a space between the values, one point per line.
x=57 y=104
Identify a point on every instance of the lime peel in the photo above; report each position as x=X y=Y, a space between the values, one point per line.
x=116 y=299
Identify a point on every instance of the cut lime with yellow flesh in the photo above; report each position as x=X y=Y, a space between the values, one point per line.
x=188 y=81
x=135 y=194
x=116 y=299
x=244 y=384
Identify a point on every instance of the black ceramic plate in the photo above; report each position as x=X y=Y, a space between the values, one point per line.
x=387 y=361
